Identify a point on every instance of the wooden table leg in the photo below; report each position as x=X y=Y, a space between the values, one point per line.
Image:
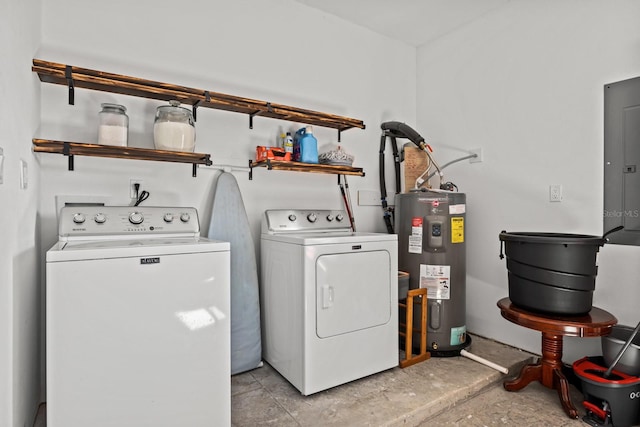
x=551 y=358
x=562 y=385
x=547 y=371
x=529 y=373
x=552 y=376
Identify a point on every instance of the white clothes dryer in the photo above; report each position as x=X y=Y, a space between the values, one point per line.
x=137 y=321
x=329 y=298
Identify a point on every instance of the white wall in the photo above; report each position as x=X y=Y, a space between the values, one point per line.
x=276 y=50
x=525 y=83
x=19 y=266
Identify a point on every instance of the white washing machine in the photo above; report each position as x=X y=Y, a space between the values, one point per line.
x=137 y=321
x=329 y=298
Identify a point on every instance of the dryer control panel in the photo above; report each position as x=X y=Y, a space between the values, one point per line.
x=305 y=221
x=78 y=221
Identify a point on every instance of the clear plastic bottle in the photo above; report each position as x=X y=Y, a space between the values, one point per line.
x=288 y=143
x=114 y=125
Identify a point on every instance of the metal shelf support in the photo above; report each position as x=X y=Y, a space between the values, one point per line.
x=67 y=152
x=68 y=74
x=194 y=107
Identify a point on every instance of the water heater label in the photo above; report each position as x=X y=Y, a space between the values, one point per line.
x=457 y=229
x=458 y=335
x=457 y=209
x=437 y=280
x=415 y=239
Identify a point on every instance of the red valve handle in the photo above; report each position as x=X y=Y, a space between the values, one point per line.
x=598 y=411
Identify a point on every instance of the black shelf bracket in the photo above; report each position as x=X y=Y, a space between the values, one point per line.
x=251 y=166
x=194 y=170
x=68 y=74
x=194 y=107
x=194 y=110
x=341 y=129
x=257 y=113
x=67 y=152
x=251 y=115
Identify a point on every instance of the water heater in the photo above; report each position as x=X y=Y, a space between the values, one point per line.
x=431 y=248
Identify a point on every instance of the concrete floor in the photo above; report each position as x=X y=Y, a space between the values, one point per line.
x=452 y=391
x=438 y=392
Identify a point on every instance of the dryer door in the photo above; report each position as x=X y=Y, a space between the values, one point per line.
x=353 y=292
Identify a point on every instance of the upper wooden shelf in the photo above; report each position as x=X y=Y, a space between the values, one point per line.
x=71 y=76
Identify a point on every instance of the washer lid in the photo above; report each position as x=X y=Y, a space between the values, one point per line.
x=122 y=248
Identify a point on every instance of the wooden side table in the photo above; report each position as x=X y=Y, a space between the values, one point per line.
x=548 y=370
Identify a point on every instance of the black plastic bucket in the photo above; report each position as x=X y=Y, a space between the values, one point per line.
x=548 y=299
x=552 y=278
x=552 y=272
x=566 y=253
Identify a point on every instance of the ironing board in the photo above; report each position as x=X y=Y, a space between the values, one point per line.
x=229 y=223
x=548 y=370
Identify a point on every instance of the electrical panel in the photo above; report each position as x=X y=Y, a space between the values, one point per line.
x=622 y=161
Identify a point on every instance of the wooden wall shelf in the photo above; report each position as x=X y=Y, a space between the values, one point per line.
x=71 y=76
x=304 y=167
x=71 y=149
x=77 y=77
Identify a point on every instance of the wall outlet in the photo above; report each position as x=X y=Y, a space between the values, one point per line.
x=478 y=153
x=133 y=194
x=555 y=193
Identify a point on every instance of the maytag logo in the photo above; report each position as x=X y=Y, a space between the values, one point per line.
x=150 y=260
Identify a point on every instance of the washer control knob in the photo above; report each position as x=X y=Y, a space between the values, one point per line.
x=136 y=218
x=185 y=217
x=329 y=217
x=168 y=217
x=100 y=218
x=292 y=217
x=339 y=217
x=78 y=218
x=312 y=217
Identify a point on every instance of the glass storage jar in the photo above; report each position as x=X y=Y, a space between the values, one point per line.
x=174 y=128
x=114 y=125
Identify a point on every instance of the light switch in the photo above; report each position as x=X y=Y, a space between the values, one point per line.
x=23 y=174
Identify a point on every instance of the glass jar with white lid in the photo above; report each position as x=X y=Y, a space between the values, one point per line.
x=113 y=128
x=174 y=128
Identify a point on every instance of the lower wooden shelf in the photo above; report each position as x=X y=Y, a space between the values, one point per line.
x=71 y=149
x=305 y=167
